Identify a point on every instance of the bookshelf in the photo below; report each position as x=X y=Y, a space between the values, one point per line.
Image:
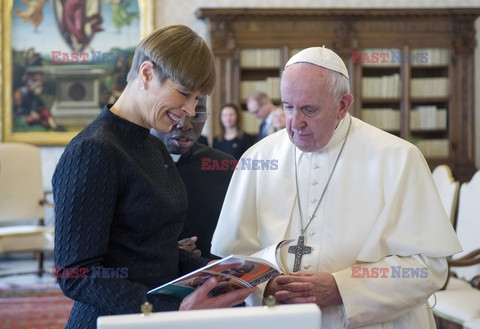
x=259 y=71
x=426 y=100
x=411 y=70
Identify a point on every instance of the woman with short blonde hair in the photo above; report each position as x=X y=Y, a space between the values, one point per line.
x=119 y=201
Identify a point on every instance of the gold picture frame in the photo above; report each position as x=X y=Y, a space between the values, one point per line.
x=47 y=131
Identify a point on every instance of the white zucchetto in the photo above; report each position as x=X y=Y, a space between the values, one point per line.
x=320 y=56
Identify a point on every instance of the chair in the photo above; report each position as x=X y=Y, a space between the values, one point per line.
x=468 y=228
x=447 y=189
x=21 y=202
x=459 y=304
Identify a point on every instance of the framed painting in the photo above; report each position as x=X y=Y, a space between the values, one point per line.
x=63 y=60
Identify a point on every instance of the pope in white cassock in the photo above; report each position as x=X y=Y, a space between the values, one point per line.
x=371 y=235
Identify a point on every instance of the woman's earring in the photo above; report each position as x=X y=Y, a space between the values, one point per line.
x=144 y=88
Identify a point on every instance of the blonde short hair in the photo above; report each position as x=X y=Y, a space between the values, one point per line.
x=180 y=55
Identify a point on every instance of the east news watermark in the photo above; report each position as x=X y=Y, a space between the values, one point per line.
x=242 y=164
x=93 y=272
x=390 y=57
x=393 y=272
x=94 y=57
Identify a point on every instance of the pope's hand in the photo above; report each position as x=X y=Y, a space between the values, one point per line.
x=305 y=287
x=199 y=299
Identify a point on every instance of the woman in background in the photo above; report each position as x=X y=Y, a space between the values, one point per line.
x=279 y=121
x=119 y=201
x=232 y=139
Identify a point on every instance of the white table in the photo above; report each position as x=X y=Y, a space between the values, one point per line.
x=307 y=316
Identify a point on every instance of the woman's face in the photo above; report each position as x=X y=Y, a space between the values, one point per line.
x=165 y=104
x=228 y=117
x=279 y=121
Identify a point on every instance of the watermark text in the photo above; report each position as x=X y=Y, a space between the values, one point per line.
x=93 y=272
x=95 y=57
x=242 y=164
x=394 y=272
x=389 y=57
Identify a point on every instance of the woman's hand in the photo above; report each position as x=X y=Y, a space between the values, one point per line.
x=199 y=299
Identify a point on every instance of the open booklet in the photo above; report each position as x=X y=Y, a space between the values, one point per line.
x=233 y=272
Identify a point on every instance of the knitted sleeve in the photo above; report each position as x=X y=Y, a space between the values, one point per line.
x=188 y=262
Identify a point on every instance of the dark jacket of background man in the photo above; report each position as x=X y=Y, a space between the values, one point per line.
x=206 y=191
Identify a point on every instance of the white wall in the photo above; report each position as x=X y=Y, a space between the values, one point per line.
x=183 y=12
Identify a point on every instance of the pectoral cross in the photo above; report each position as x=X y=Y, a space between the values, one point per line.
x=299 y=250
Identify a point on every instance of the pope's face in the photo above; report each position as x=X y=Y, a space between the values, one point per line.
x=311 y=112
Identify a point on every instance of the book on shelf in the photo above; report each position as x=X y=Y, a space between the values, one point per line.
x=233 y=272
x=432 y=148
x=383 y=118
x=433 y=56
x=429 y=87
x=387 y=86
x=270 y=86
x=427 y=117
x=260 y=57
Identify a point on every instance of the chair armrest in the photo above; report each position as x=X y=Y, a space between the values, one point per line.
x=472 y=258
x=474 y=254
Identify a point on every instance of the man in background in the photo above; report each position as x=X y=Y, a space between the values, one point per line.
x=206 y=185
x=259 y=105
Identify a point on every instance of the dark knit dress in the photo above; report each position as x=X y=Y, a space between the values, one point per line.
x=235 y=147
x=119 y=207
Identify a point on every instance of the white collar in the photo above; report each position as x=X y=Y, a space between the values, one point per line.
x=175 y=157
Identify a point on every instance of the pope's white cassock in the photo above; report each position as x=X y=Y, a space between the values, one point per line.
x=381 y=210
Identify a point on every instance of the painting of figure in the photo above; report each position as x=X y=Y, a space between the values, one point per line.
x=69 y=58
x=33 y=13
